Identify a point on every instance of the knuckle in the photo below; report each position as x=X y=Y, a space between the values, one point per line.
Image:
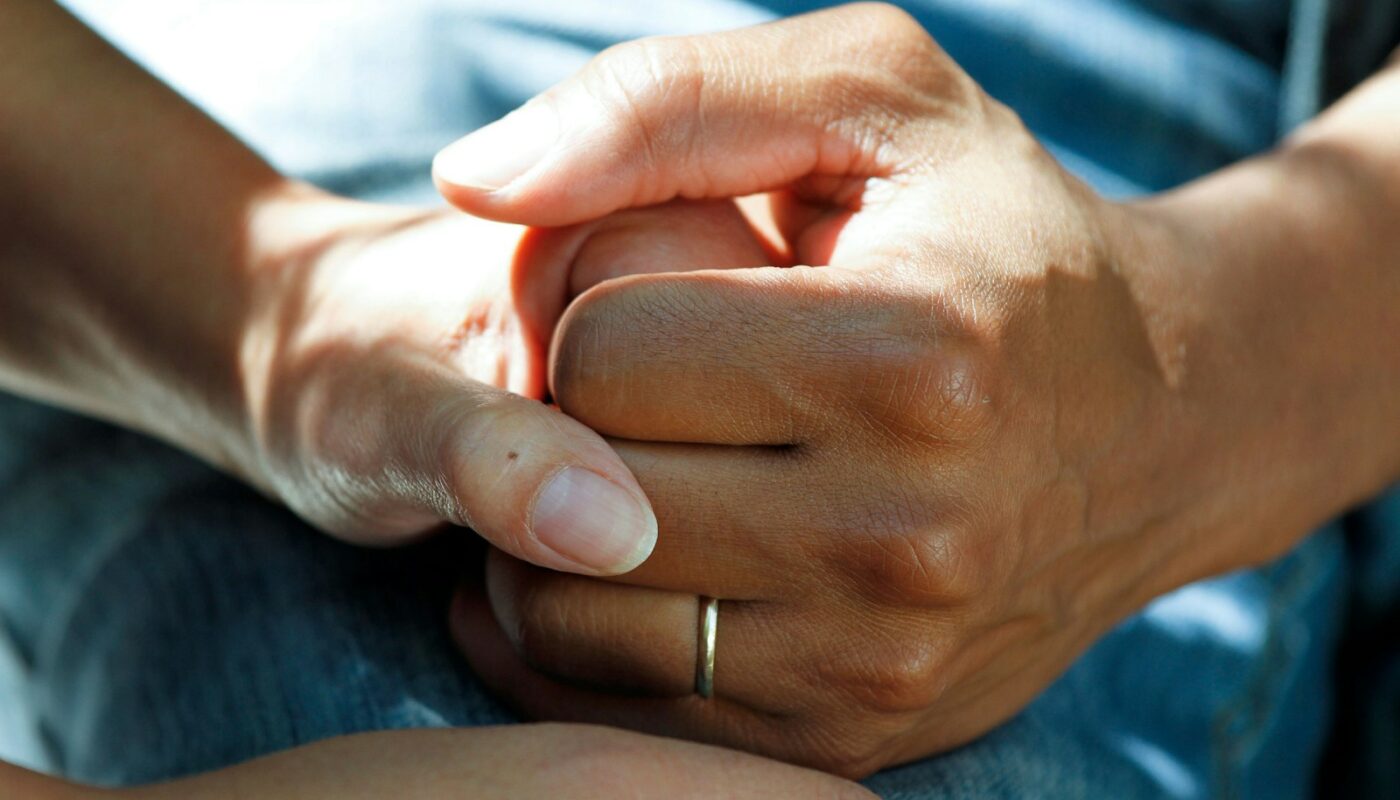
x=891 y=25
x=958 y=403
x=926 y=395
x=652 y=86
x=922 y=371
x=642 y=66
x=887 y=13
x=937 y=567
x=902 y=678
x=899 y=547
x=906 y=59
x=889 y=678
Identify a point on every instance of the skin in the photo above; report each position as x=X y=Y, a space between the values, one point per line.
x=546 y=761
x=378 y=369
x=997 y=413
x=902 y=604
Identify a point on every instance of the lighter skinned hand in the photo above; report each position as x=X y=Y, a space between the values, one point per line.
x=394 y=372
x=520 y=762
x=922 y=474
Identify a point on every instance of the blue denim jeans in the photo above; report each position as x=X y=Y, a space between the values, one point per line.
x=157 y=618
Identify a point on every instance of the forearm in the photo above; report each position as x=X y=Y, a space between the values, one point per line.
x=124 y=258
x=18 y=782
x=1289 y=316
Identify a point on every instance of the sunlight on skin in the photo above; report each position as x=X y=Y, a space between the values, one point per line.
x=1002 y=415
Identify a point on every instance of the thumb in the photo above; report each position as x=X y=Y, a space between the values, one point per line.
x=542 y=486
x=429 y=445
x=833 y=95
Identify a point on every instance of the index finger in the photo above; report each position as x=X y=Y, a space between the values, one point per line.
x=845 y=92
x=735 y=357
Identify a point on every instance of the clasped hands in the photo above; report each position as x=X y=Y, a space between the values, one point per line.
x=922 y=415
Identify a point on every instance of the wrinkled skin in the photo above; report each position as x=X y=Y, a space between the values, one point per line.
x=396 y=361
x=923 y=474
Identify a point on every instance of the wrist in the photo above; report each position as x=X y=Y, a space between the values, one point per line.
x=291 y=230
x=1275 y=291
x=197 y=394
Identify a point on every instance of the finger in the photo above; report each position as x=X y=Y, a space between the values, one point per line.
x=416 y=442
x=748 y=356
x=615 y=637
x=728 y=525
x=494 y=659
x=678 y=236
x=806 y=738
x=833 y=93
x=554 y=265
x=763 y=525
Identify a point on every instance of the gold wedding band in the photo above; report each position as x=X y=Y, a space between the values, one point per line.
x=705 y=652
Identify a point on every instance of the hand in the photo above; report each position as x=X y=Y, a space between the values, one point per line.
x=521 y=762
x=923 y=477
x=394 y=372
x=350 y=359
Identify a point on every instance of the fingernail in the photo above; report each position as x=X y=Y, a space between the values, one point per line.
x=499 y=153
x=593 y=521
